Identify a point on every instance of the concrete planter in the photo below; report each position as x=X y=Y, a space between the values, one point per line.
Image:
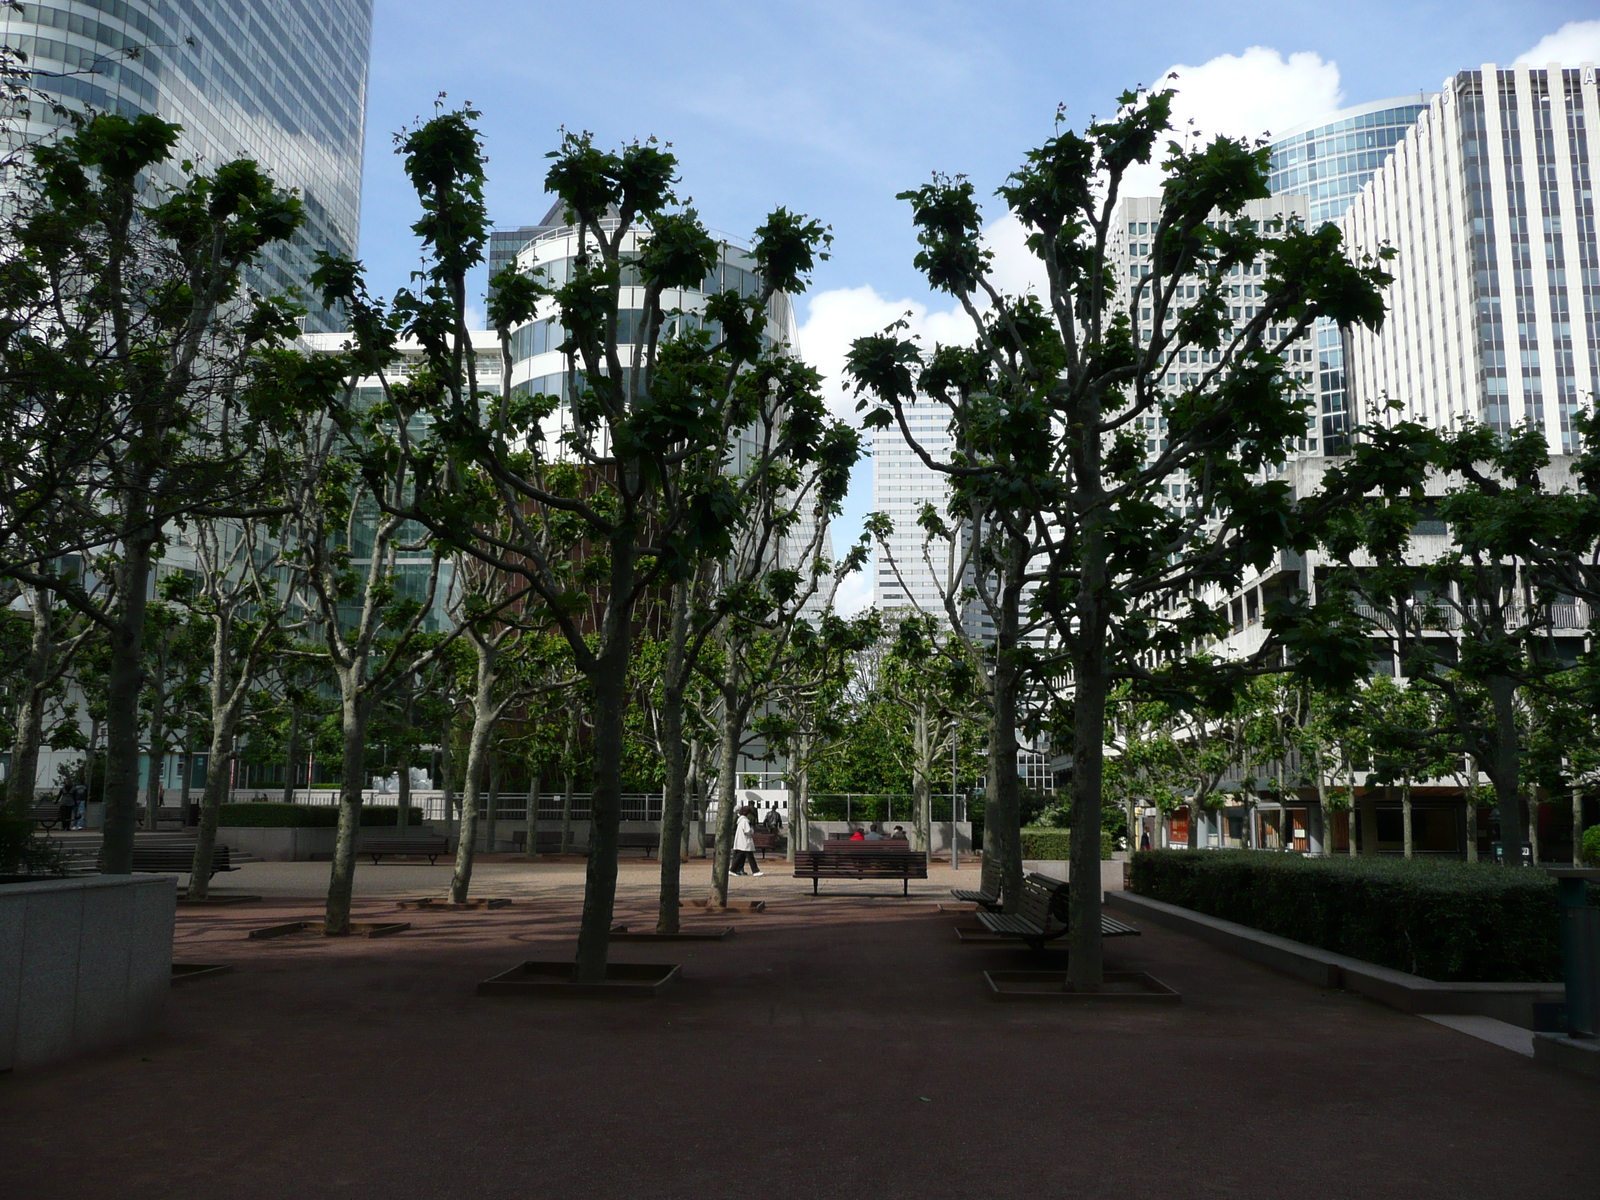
x=84 y=964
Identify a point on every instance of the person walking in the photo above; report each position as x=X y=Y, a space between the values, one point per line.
x=744 y=845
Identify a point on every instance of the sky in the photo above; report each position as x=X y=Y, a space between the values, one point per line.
x=831 y=107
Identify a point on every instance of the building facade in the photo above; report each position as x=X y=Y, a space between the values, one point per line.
x=1494 y=315
x=283 y=82
x=1329 y=161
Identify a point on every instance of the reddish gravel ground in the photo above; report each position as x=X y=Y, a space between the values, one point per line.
x=832 y=1048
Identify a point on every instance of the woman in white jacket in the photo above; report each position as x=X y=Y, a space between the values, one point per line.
x=744 y=844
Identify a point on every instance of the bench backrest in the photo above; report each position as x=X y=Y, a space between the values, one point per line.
x=889 y=860
x=993 y=880
x=1040 y=901
x=848 y=844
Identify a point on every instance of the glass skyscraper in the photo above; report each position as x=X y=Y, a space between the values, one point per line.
x=281 y=81
x=1328 y=161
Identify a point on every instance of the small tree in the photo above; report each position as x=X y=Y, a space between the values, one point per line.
x=126 y=352
x=1051 y=469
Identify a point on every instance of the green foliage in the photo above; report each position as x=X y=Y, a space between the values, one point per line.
x=254 y=814
x=1591 y=846
x=1046 y=843
x=1441 y=920
x=21 y=853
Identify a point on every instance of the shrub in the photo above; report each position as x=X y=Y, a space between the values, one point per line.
x=21 y=853
x=1057 y=843
x=1591 y=846
x=1443 y=920
x=275 y=814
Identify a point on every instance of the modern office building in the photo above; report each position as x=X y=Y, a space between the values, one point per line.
x=281 y=81
x=1494 y=315
x=1130 y=254
x=1328 y=161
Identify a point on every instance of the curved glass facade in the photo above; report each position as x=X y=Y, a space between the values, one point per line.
x=281 y=81
x=1329 y=161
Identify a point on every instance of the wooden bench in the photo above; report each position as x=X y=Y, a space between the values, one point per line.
x=648 y=842
x=548 y=841
x=873 y=862
x=177 y=860
x=422 y=847
x=47 y=815
x=1042 y=914
x=991 y=885
x=763 y=841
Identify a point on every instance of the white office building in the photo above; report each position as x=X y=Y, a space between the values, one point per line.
x=1130 y=255
x=1494 y=315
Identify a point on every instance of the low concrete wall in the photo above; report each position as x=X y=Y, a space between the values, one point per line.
x=1111 y=871
x=84 y=964
x=1509 y=1002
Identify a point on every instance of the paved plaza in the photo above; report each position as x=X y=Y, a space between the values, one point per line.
x=833 y=1047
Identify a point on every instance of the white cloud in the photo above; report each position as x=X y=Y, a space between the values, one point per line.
x=854 y=594
x=836 y=318
x=1244 y=95
x=1575 y=42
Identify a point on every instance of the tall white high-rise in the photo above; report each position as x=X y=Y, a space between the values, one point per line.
x=1494 y=314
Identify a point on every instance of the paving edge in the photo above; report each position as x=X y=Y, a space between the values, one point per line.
x=1509 y=1002
x=1580 y=1056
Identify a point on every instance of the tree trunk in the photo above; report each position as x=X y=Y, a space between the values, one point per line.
x=1085 y=962
x=292 y=761
x=1405 y=813
x=492 y=806
x=185 y=804
x=153 y=790
x=219 y=770
x=1472 y=826
x=1533 y=825
x=1350 y=819
x=797 y=820
x=342 y=876
x=921 y=788
x=1002 y=835
x=124 y=680
x=483 y=721
x=1577 y=827
x=34 y=686
x=447 y=780
x=1369 y=822
x=697 y=801
x=535 y=782
x=568 y=783
x=675 y=678
x=1507 y=769
x=732 y=732
x=402 y=800
x=609 y=680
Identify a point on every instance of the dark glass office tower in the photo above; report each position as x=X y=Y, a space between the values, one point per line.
x=281 y=81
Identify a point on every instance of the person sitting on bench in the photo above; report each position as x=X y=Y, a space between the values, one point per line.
x=874 y=834
x=856 y=835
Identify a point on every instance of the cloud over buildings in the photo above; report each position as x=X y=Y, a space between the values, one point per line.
x=1575 y=42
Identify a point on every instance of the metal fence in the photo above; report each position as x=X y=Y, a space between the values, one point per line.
x=509 y=806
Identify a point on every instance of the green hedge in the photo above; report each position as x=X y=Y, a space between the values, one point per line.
x=1043 y=843
x=277 y=815
x=1442 y=920
x=1591 y=846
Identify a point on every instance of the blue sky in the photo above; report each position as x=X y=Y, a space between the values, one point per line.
x=832 y=107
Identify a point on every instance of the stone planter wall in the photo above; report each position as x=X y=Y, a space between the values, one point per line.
x=84 y=964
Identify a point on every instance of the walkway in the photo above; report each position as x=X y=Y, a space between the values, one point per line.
x=832 y=1048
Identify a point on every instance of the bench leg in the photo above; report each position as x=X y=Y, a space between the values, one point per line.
x=814 y=887
x=905 y=886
